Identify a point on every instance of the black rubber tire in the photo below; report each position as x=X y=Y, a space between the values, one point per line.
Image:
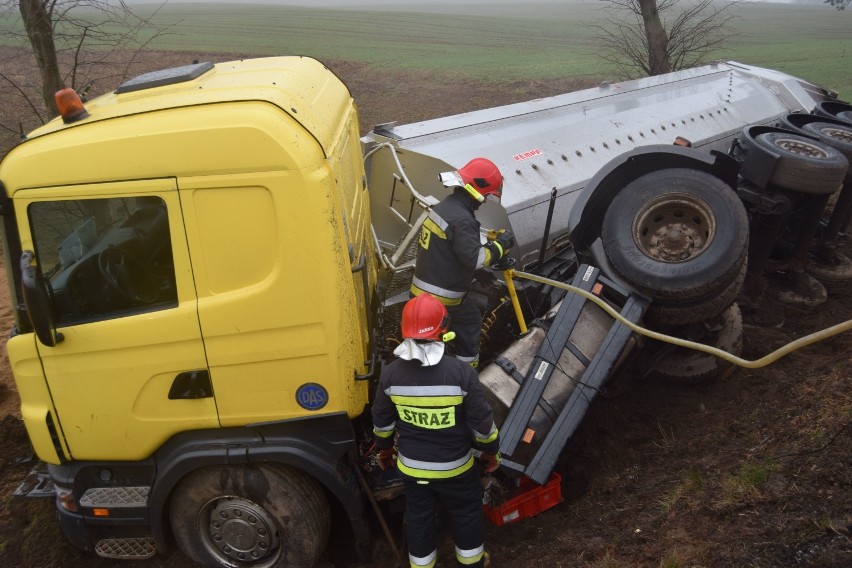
x=275 y=512
x=704 y=257
x=684 y=366
x=804 y=165
x=845 y=116
x=797 y=290
x=837 y=136
x=662 y=313
x=835 y=276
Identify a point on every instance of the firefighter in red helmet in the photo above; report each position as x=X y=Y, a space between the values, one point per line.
x=437 y=407
x=450 y=250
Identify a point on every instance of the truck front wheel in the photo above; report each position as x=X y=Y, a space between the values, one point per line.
x=260 y=516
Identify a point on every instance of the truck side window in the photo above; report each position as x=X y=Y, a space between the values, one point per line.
x=104 y=258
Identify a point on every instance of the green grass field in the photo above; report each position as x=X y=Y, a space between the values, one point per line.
x=510 y=42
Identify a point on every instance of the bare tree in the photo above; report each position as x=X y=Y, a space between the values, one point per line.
x=651 y=37
x=839 y=4
x=73 y=42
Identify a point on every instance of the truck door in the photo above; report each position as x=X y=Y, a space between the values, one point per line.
x=130 y=370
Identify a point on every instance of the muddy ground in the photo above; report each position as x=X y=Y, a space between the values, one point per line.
x=753 y=470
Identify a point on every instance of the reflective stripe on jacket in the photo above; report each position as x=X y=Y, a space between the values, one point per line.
x=449 y=251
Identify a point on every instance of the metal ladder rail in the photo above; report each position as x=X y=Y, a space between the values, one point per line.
x=544 y=363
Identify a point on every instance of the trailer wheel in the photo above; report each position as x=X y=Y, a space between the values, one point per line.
x=797 y=290
x=263 y=516
x=804 y=165
x=688 y=367
x=837 y=136
x=672 y=313
x=835 y=274
x=681 y=237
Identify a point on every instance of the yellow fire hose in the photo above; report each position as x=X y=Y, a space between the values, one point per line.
x=757 y=363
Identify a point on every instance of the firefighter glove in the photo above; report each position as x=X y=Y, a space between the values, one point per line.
x=499 y=246
x=505 y=241
x=490 y=461
x=387 y=457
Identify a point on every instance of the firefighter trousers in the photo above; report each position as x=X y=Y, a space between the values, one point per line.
x=466 y=322
x=462 y=498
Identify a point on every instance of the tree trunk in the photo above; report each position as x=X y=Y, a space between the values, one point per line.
x=658 y=41
x=39 y=28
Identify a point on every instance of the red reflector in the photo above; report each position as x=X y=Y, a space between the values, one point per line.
x=70 y=106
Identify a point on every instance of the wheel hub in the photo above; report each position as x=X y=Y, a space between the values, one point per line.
x=802 y=148
x=838 y=134
x=674 y=228
x=241 y=530
x=674 y=242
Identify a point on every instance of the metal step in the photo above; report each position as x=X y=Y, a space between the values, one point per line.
x=137 y=548
x=37 y=483
x=115 y=497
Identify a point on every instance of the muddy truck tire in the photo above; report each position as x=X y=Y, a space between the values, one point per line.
x=688 y=367
x=845 y=116
x=835 y=274
x=837 y=136
x=679 y=236
x=803 y=164
x=264 y=516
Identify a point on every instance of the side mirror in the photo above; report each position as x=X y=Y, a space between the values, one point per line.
x=37 y=300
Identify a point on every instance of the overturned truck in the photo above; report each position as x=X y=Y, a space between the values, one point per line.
x=207 y=267
x=694 y=195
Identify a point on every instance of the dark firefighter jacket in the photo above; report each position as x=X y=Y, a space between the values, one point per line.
x=439 y=411
x=450 y=251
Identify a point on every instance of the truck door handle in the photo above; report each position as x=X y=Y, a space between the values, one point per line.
x=191 y=385
x=361 y=263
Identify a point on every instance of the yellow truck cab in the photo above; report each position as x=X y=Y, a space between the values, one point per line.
x=196 y=267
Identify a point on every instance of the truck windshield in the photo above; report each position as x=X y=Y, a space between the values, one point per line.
x=104 y=257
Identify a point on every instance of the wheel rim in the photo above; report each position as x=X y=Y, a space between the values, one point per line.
x=801 y=148
x=839 y=134
x=674 y=228
x=238 y=531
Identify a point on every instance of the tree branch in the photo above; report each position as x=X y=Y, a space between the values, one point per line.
x=636 y=34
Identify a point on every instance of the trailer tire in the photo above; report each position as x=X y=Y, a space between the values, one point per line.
x=803 y=164
x=797 y=290
x=679 y=236
x=837 y=136
x=845 y=116
x=688 y=367
x=672 y=313
x=260 y=516
x=835 y=275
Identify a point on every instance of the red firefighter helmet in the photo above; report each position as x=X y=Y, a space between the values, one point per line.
x=424 y=317
x=480 y=176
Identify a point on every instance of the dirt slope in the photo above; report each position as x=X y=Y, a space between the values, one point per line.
x=751 y=471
